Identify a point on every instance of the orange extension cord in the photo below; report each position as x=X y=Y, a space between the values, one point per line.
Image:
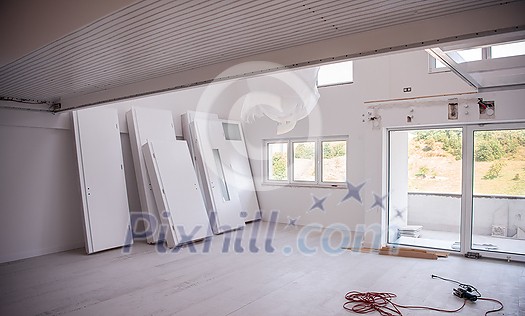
x=369 y=302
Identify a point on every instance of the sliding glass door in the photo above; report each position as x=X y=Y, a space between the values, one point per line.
x=458 y=189
x=497 y=203
x=425 y=187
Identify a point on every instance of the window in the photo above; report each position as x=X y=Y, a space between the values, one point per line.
x=507 y=50
x=277 y=161
x=439 y=64
x=466 y=55
x=500 y=50
x=304 y=161
x=334 y=74
x=319 y=161
x=434 y=160
x=333 y=167
x=231 y=131
x=222 y=179
x=435 y=65
x=459 y=56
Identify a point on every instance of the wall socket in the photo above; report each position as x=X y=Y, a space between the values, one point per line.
x=407 y=89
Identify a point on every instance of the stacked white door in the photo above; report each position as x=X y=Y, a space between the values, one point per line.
x=236 y=146
x=213 y=158
x=145 y=125
x=102 y=180
x=187 y=120
x=177 y=193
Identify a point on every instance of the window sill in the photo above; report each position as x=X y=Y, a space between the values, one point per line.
x=307 y=185
x=335 y=84
x=438 y=70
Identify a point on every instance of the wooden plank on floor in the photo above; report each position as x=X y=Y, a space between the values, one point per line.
x=411 y=253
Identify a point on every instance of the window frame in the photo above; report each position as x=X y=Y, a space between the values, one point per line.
x=467 y=186
x=291 y=160
x=318 y=155
x=321 y=154
x=266 y=152
x=432 y=66
x=504 y=44
x=486 y=54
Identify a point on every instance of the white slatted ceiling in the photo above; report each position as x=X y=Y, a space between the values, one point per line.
x=155 y=38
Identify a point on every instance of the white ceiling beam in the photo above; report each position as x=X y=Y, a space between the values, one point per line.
x=453 y=66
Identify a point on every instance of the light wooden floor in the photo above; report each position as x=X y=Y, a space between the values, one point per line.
x=145 y=282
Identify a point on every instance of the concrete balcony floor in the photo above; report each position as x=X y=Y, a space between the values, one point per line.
x=450 y=241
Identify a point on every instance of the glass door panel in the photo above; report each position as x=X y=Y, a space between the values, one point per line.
x=498 y=200
x=425 y=176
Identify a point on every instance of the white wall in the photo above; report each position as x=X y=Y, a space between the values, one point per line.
x=40 y=202
x=39 y=196
x=217 y=98
x=509 y=108
x=340 y=112
x=398 y=197
x=40 y=205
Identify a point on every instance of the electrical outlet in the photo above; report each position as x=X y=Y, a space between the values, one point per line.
x=407 y=89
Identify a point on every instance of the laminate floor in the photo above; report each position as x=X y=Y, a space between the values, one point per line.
x=296 y=271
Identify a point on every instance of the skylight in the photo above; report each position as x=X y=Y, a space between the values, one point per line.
x=466 y=55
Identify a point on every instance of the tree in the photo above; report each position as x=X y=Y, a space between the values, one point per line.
x=304 y=151
x=332 y=150
x=488 y=150
x=279 y=166
x=448 y=140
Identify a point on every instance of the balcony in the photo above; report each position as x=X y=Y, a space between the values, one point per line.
x=498 y=222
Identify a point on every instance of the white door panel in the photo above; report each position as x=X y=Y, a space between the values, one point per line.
x=213 y=157
x=145 y=125
x=176 y=192
x=236 y=146
x=103 y=184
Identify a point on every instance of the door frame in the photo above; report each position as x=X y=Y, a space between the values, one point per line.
x=466 y=183
x=468 y=190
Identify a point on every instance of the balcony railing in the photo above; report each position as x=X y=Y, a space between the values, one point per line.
x=441 y=212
